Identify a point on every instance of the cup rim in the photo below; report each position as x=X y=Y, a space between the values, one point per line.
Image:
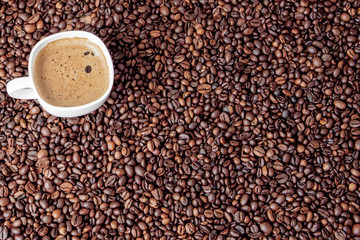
x=71 y=34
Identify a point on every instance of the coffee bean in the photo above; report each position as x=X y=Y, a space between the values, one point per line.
x=339 y=104
x=4 y=202
x=355 y=123
x=357 y=145
x=30 y=188
x=285 y=114
x=356 y=229
x=47 y=219
x=56 y=213
x=164 y=10
x=146 y=131
x=219 y=213
x=76 y=220
x=155 y=33
x=66 y=187
x=158 y=194
x=4 y=191
x=266 y=228
x=323 y=212
x=33 y=19
x=345 y=17
x=4 y=233
x=179 y=58
x=282 y=178
x=42 y=163
x=259 y=151
x=30 y=28
x=255 y=22
x=135 y=231
x=340 y=235
x=88 y=69
x=150 y=177
x=317 y=62
x=244 y=199
x=45 y=132
x=190 y=228
x=204 y=88
x=110 y=182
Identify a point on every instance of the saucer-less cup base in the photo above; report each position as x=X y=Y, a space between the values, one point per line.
x=24 y=87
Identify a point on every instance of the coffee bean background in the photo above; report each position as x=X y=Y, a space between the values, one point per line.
x=227 y=120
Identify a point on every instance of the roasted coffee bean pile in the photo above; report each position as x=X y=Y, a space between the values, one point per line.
x=228 y=120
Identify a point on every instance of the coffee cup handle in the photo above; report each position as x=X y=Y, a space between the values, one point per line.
x=21 y=88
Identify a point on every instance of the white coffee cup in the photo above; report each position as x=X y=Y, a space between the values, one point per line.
x=24 y=87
